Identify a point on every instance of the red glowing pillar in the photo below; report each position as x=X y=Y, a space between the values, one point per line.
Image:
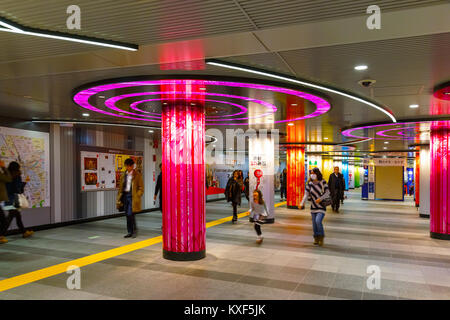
x=440 y=181
x=183 y=171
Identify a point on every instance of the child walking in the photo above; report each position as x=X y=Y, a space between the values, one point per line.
x=258 y=212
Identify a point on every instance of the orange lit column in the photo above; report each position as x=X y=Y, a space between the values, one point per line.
x=295 y=155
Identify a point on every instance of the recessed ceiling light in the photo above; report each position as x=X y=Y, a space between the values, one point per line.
x=361 y=67
x=384 y=148
x=151 y=131
x=326 y=138
x=386 y=142
x=413 y=106
x=202 y=88
x=290 y=124
x=85 y=114
x=164 y=102
x=293 y=104
x=101 y=97
x=192 y=104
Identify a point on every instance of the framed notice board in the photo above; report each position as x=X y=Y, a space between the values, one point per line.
x=101 y=168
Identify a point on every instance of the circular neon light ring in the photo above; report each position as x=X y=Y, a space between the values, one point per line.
x=382 y=134
x=82 y=98
x=110 y=103
x=135 y=107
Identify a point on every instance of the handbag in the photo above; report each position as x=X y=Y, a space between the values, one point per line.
x=21 y=201
x=120 y=205
x=326 y=201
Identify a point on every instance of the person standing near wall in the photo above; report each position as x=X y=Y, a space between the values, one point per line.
x=5 y=177
x=316 y=190
x=233 y=193
x=15 y=187
x=336 y=184
x=283 y=184
x=131 y=189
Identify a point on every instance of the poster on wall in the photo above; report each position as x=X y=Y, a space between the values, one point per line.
x=101 y=168
x=261 y=170
x=31 y=150
x=219 y=171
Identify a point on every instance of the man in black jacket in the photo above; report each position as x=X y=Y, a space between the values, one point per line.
x=233 y=193
x=283 y=184
x=158 y=188
x=336 y=184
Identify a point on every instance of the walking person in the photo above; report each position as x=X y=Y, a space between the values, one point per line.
x=233 y=193
x=283 y=184
x=316 y=191
x=158 y=188
x=247 y=187
x=336 y=184
x=258 y=212
x=241 y=180
x=5 y=177
x=15 y=187
x=131 y=189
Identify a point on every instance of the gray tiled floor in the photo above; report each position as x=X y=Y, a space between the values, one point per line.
x=286 y=266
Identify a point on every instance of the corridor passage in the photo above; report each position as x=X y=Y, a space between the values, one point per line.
x=286 y=265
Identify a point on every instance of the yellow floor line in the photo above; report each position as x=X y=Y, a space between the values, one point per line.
x=40 y=274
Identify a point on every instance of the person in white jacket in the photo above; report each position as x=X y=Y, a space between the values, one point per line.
x=258 y=212
x=315 y=191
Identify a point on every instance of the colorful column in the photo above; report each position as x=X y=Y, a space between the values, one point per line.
x=345 y=173
x=351 y=176
x=261 y=169
x=417 y=180
x=327 y=168
x=295 y=163
x=183 y=169
x=361 y=176
x=424 y=168
x=440 y=181
x=295 y=155
x=357 y=178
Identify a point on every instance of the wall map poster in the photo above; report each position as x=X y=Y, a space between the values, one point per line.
x=31 y=150
x=101 y=168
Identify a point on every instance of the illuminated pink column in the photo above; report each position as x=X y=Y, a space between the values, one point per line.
x=440 y=181
x=183 y=169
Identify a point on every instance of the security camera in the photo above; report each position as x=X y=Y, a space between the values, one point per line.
x=366 y=83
